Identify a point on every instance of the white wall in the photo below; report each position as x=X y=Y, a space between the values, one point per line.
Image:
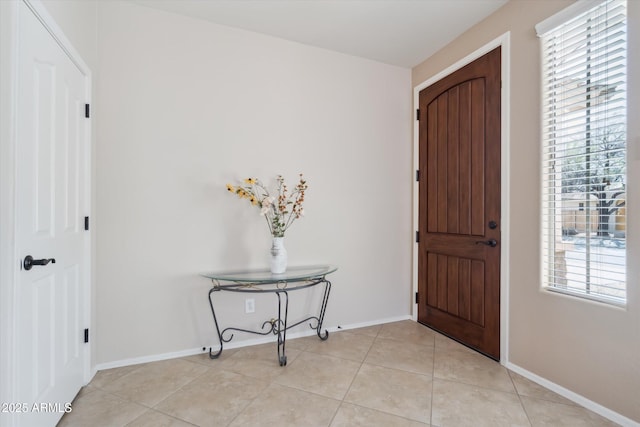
x=186 y=106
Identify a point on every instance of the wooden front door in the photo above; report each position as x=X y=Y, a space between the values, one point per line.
x=459 y=205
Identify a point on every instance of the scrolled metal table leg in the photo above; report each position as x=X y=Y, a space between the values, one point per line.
x=215 y=355
x=323 y=309
x=281 y=327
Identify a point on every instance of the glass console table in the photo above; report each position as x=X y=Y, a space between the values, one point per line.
x=263 y=281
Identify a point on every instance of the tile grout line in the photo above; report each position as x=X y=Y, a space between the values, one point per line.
x=164 y=414
x=342 y=401
x=524 y=408
x=176 y=391
x=272 y=382
x=153 y=408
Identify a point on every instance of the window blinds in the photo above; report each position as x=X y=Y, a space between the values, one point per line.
x=584 y=154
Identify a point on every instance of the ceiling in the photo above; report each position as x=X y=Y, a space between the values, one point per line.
x=397 y=32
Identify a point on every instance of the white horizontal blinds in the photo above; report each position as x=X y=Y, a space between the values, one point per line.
x=584 y=158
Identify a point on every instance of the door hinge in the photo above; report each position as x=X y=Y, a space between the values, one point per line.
x=87 y=111
x=417 y=237
x=418 y=175
x=417 y=298
x=86 y=335
x=418 y=114
x=86 y=223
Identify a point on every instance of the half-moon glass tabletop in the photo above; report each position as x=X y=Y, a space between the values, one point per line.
x=293 y=274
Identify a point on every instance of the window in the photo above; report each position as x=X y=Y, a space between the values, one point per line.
x=584 y=150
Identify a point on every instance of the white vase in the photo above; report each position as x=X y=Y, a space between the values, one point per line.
x=278 y=256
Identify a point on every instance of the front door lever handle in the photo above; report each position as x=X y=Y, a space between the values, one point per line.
x=491 y=242
x=30 y=262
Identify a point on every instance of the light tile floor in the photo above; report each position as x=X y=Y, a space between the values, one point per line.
x=396 y=374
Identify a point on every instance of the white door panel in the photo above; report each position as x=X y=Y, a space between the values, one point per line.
x=51 y=181
x=38 y=141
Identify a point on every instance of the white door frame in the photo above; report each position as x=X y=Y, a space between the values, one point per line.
x=504 y=42
x=9 y=258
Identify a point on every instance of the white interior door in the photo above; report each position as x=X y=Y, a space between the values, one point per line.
x=51 y=203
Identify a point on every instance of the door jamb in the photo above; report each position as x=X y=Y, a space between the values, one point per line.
x=8 y=52
x=504 y=42
x=9 y=261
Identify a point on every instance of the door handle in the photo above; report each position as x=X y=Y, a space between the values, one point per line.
x=30 y=262
x=491 y=242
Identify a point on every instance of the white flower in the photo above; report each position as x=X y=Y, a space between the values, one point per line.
x=279 y=211
x=266 y=202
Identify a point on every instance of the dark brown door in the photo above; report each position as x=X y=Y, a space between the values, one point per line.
x=459 y=205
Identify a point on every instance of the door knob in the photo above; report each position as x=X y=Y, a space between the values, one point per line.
x=30 y=262
x=491 y=242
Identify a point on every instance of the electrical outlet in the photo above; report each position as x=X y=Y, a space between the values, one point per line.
x=249 y=305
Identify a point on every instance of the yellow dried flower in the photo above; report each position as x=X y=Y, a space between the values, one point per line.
x=279 y=209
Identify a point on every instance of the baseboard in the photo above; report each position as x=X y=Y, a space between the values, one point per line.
x=372 y=323
x=575 y=397
x=238 y=344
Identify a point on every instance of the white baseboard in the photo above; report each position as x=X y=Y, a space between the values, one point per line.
x=575 y=397
x=238 y=344
x=372 y=323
